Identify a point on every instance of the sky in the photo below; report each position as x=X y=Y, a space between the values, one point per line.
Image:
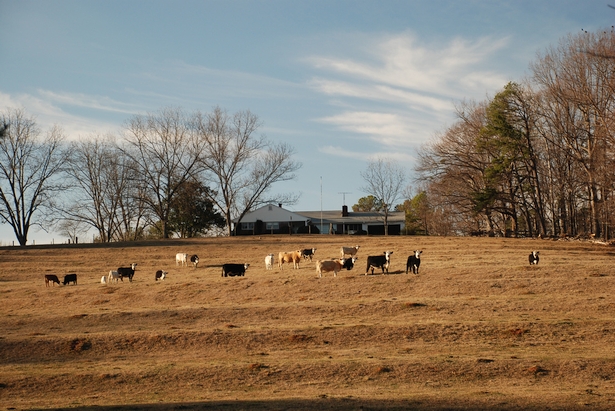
x=343 y=82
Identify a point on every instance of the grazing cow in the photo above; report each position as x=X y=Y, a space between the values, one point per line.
x=351 y=251
x=127 y=272
x=290 y=257
x=114 y=276
x=103 y=279
x=269 y=262
x=51 y=278
x=194 y=259
x=181 y=258
x=308 y=253
x=70 y=278
x=161 y=275
x=414 y=262
x=334 y=265
x=231 y=270
x=534 y=257
x=379 y=261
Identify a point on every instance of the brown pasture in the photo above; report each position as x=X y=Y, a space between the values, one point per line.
x=477 y=328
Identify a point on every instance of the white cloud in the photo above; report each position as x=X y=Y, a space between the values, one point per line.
x=48 y=114
x=400 y=90
x=83 y=100
x=401 y=157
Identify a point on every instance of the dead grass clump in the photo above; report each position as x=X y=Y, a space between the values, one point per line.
x=257 y=366
x=299 y=338
x=414 y=305
x=518 y=332
x=382 y=370
x=79 y=345
x=537 y=370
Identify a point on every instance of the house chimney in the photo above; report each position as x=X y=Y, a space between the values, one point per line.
x=280 y=205
x=344 y=211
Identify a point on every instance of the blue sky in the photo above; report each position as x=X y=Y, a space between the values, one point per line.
x=341 y=81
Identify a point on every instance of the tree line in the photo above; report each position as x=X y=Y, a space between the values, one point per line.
x=537 y=159
x=166 y=174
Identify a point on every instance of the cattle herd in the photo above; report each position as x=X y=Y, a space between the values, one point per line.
x=347 y=260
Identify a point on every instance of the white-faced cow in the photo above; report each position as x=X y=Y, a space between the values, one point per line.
x=308 y=253
x=51 y=278
x=161 y=275
x=269 y=262
x=379 y=261
x=127 y=272
x=231 y=270
x=414 y=262
x=533 y=258
x=194 y=259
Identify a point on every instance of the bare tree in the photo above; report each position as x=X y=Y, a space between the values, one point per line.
x=241 y=167
x=164 y=151
x=29 y=166
x=104 y=194
x=385 y=180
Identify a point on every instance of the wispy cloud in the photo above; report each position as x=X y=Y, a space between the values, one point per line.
x=408 y=87
x=103 y=103
x=346 y=152
x=48 y=114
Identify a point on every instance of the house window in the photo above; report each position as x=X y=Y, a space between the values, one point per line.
x=273 y=226
x=247 y=226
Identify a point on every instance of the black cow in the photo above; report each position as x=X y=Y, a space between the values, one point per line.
x=194 y=259
x=379 y=261
x=414 y=262
x=51 y=278
x=349 y=263
x=533 y=258
x=127 y=272
x=231 y=270
x=70 y=278
x=308 y=253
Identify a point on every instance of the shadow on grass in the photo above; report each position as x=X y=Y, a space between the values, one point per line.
x=331 y=404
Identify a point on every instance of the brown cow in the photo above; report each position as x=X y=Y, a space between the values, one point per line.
x=290 y=257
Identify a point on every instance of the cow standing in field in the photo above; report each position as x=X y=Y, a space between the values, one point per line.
x=70 y=278
x=290 y=257
x=127 y=271
x=379 y=261
x=308 y=253
x=414 y=262
x=534 y=258
x=181 y=258
x=231 y=270
x=51 y=278
x=334 y=265
x=349 y=251
x=114 y=276
x=194 y=259
x=269 y=262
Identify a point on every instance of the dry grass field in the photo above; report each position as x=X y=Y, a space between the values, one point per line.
x=478 y=328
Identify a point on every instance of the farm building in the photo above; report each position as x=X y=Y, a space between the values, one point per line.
x=273 y=219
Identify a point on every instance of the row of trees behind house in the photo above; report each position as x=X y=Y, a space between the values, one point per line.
x=168 y=173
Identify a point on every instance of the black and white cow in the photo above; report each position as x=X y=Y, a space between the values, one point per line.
x=194 y=259
x=414 y=262
x=231 y=270
x=127 y=272
x=308 y=253
x=379 y=261
x=161 y=275
x=533 y=258
x=51 y=278
x=70 y=278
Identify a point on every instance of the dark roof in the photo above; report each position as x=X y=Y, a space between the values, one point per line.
x=352 y=218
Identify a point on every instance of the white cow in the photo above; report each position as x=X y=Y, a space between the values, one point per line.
x=114 y=276
x=269 y=262
x=181 y=258
x=103 y=279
